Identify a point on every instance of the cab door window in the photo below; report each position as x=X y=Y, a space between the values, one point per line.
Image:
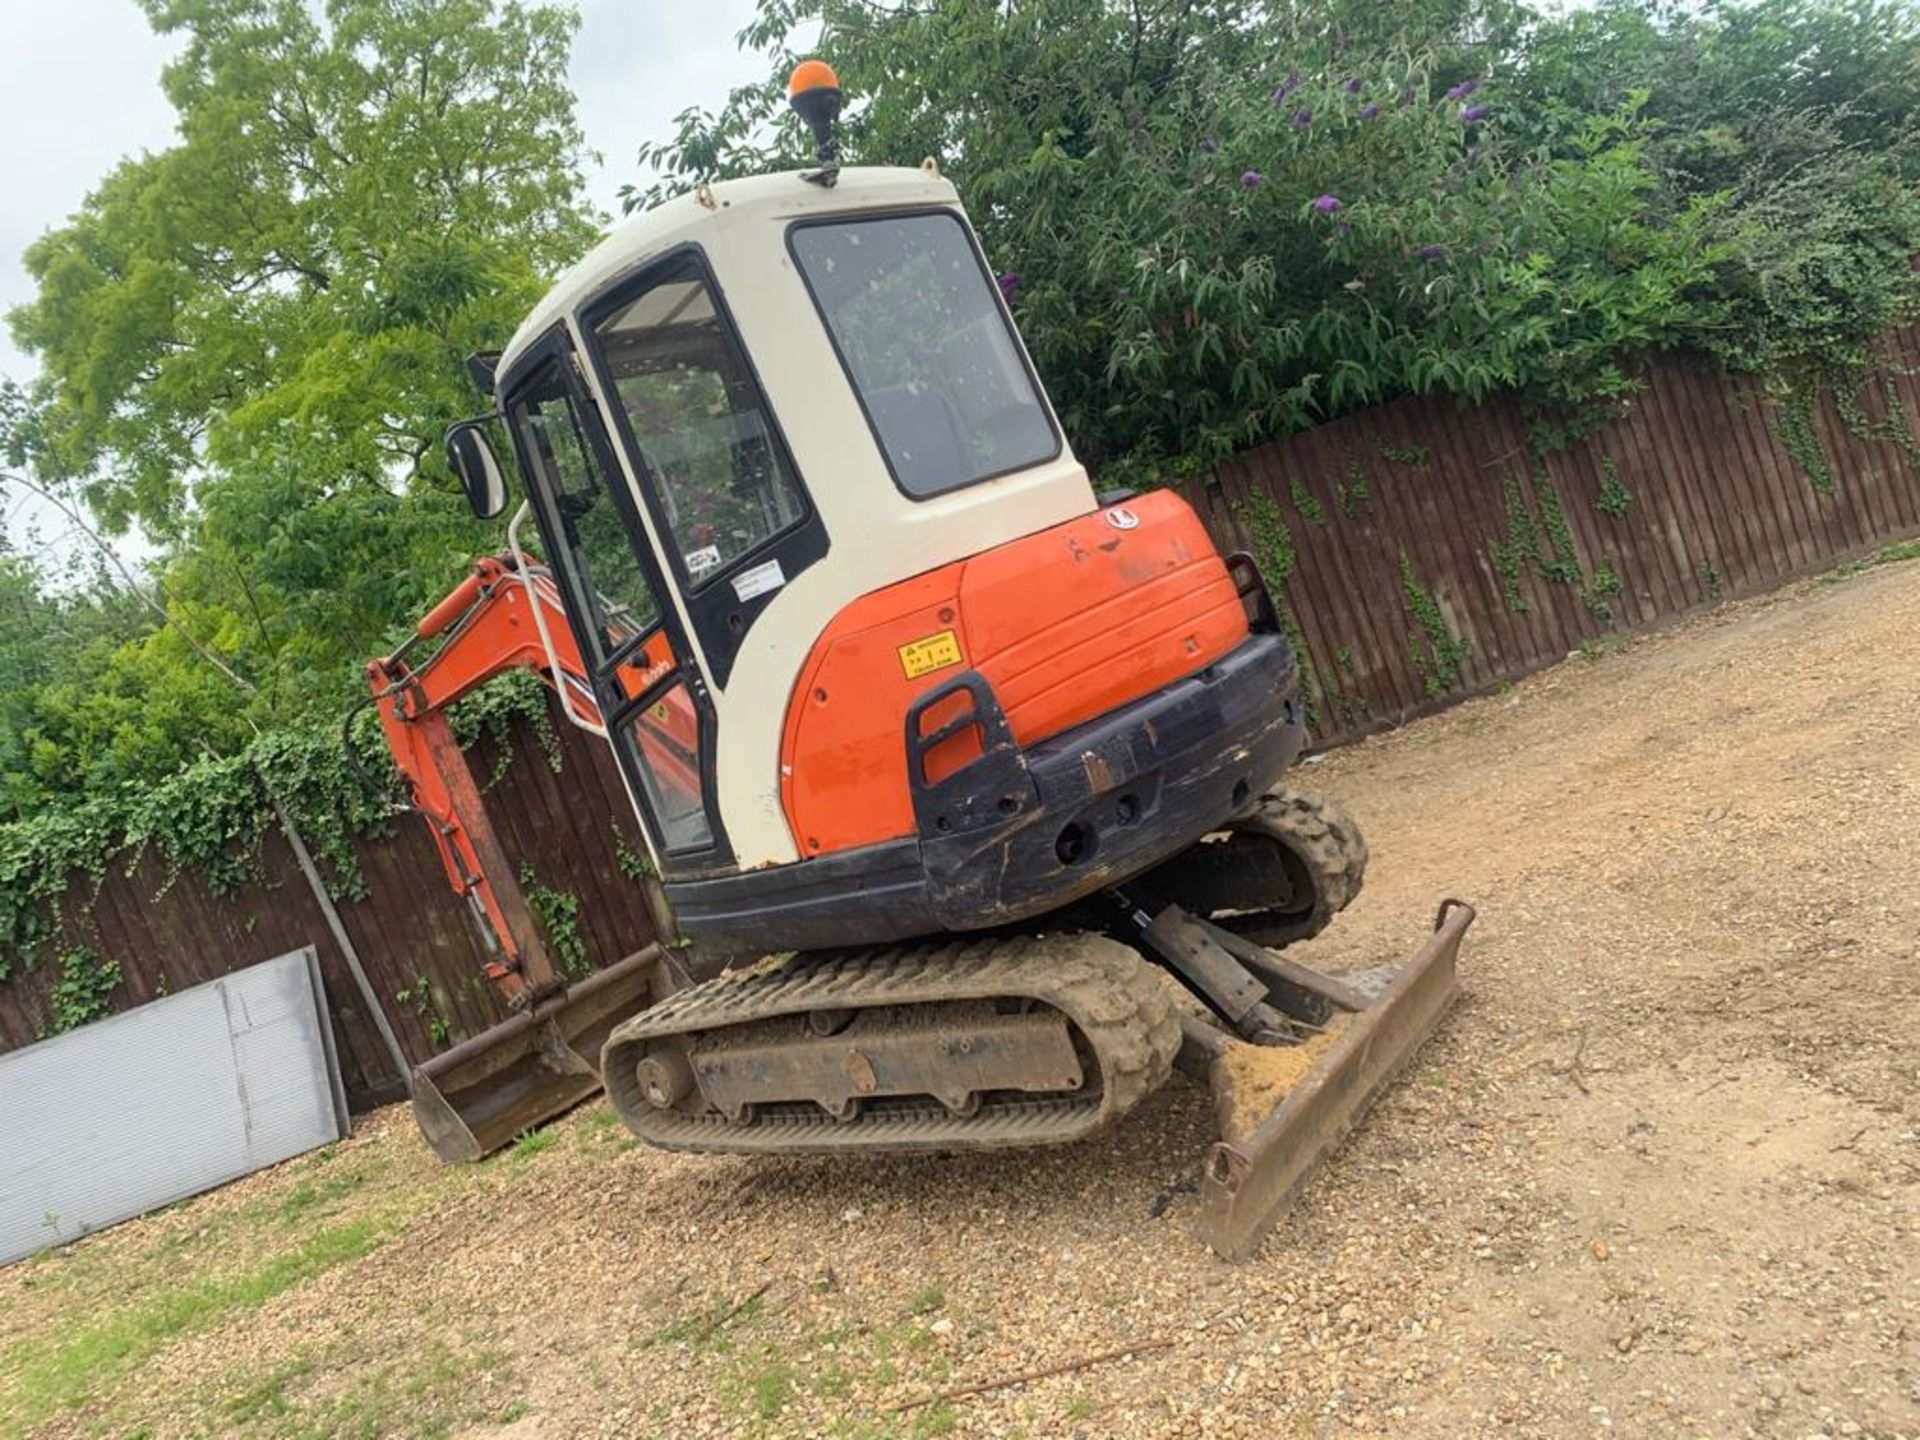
x=601 y=555
x=640 y=683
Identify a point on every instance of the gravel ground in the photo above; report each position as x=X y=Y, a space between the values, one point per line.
x=1657 y=1175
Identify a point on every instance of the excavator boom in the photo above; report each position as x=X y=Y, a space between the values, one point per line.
x=544 y=1058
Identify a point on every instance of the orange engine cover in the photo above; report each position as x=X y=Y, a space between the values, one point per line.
x=1064 y=624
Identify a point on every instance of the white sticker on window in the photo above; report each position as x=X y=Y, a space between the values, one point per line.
x=702 y=560
x=759 y=580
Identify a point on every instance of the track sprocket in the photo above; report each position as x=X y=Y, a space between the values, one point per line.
x=1276 y=874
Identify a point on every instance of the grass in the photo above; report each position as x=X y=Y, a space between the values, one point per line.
x=1888 y=555
x=771 y=1389
x=532 y=1142
x=67 y=1370
x=928 y=1300
x=427 y=1393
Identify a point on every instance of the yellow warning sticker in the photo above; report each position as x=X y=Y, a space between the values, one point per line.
x=936 y=652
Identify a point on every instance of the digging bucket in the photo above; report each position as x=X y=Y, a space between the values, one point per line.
x=1281 y=1111
x=486 y=1091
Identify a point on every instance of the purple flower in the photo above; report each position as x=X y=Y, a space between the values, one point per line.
x=1369 y=111
x=1475 y=112
x=1250 y=179
x=1209 y=145
x=1433 y=252
x=1463 y=89
x=1302 y=118
x=1286 y=87
x=1353 y=87
x=1326 y=204
x=1009 y=283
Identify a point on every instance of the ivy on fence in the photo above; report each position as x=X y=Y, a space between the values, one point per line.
x=213 y=816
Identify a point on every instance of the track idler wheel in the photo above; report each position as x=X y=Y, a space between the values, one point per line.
x=1276 y=874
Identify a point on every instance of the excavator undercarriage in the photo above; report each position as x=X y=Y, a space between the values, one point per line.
x=1045 y=1037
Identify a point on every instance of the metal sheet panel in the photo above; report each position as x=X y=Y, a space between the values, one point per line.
x=158 y=1103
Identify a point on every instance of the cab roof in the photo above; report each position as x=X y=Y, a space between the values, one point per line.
x=703 y=214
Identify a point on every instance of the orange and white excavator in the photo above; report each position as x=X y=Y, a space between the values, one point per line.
x=989 y=766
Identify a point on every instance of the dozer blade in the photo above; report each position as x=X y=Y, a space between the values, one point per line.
x=1282 y=1110
x=537 y=1065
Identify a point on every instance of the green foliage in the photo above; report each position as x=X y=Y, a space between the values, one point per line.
x=1615 y=498
x=1893 y=428
x=358 y=199
x=1272 y=540
x=1273 y=552
x=1519 y=552
x=213 y=815
x=1560 y=564
x=81 y=993
x=251 y=341
x=1414 y=457
x=1564 y=566
x=1800 y=121
x=558 y=912
x=1439 y=653
x=1623 y=179
x=628 y=861
x=1352 y=495
x=530 y=1143
x=1794 y=406
x=1599 y=592
x=425 y=1002
x=1309 y=508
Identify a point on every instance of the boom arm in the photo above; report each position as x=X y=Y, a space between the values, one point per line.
x=489 y=624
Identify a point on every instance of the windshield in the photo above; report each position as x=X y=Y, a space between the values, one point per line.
x=694 y=412
x=926 y=343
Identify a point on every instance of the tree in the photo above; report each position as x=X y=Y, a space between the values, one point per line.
x=252 y=341
x=1221 y=221
x=355 y=205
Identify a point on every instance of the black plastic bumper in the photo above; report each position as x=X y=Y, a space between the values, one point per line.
x=1018 y=833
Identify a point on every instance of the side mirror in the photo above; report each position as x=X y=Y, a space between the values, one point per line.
x=471 y=455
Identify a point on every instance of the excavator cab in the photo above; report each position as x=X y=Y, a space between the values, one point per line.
x=894 y=694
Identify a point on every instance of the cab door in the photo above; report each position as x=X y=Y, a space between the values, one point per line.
x=653 y=702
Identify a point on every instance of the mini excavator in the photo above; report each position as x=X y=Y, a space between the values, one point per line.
x=977 y=776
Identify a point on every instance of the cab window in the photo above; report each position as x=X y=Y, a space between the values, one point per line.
x=599 y=551
x=694 y=413
x=928 y=346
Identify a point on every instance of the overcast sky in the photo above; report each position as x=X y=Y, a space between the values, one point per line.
x=80 y=88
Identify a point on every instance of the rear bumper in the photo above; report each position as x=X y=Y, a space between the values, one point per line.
x=1019 y=833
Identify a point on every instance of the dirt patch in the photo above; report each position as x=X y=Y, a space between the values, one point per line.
x=1657 y=1174
x=1259 y=1076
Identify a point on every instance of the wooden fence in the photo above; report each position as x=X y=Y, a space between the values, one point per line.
x=414 y=937
x=1426 y=557
x=1431 y=558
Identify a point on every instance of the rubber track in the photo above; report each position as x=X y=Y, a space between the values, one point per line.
x=1119 y=1003
x=1323 y=838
